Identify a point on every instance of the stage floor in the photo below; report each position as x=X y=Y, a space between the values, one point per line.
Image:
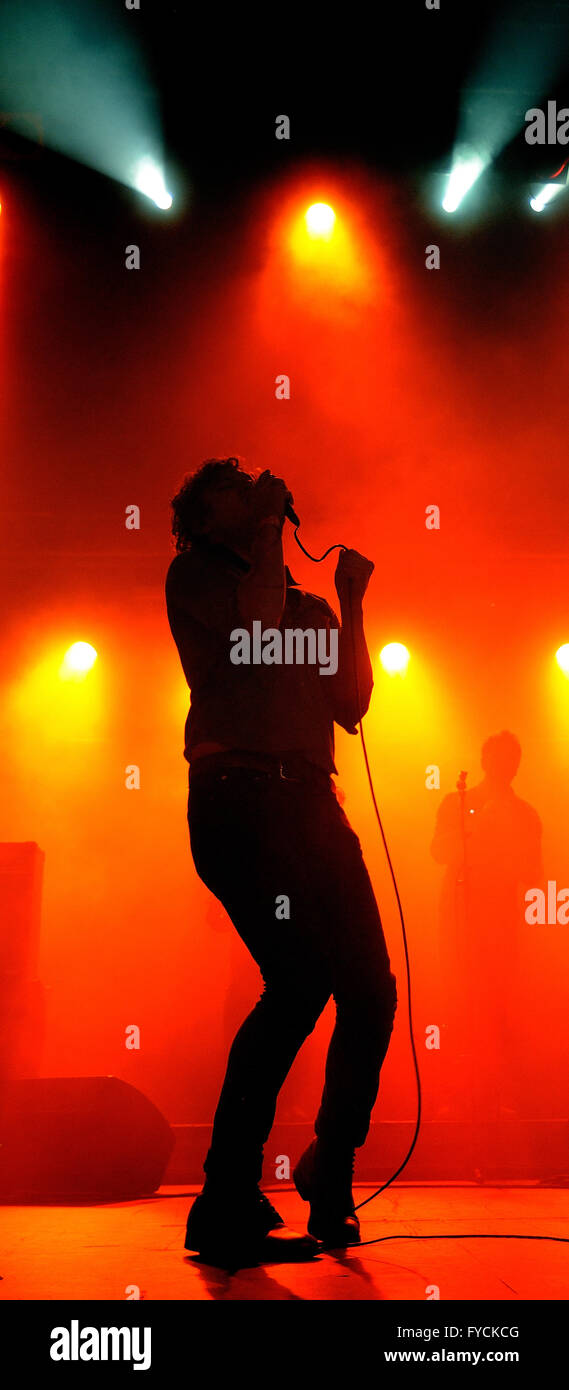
x=102 y=1251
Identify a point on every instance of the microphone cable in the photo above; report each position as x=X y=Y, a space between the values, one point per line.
x=318 y=561
x=467 y=1235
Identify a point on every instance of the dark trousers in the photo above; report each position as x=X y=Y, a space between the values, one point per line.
x=257 y=840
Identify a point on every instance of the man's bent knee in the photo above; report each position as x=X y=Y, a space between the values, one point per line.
x=298 y=1011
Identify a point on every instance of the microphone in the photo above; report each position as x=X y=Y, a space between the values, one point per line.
x=288 y=507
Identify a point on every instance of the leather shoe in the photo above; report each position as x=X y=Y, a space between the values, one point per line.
x=323 y=1177
x=243 y=1232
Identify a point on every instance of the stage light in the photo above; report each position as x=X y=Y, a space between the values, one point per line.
x=545 y=195
x=320 y=219
x=330 y=259
x=149 y=180
x=88 y=76
x=394 y=659
x=562 y=658
x=78 y=659
x=508 y=76
x=464 y=173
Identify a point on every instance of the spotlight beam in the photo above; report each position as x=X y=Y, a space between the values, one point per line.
x=549 y=192
x=520 y=62
x=91 y=83
x=464 y=173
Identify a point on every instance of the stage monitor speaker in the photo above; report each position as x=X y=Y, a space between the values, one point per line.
x=80 y=1137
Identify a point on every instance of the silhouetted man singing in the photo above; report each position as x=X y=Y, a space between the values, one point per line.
x=271 y=841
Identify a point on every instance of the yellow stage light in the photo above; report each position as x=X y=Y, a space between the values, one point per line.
x=78 y=659
x=320 y=219
x=394 y=658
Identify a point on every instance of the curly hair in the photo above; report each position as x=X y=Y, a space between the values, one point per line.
x=190 y=506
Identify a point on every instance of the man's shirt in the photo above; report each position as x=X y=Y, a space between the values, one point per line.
x=278 y=708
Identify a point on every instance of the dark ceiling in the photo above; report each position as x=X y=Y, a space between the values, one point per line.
x=386 y=87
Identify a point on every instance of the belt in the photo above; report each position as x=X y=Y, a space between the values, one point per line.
x=286 y=767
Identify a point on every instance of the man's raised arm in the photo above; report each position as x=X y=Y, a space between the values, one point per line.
x=262 y=592
x=353 y=573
